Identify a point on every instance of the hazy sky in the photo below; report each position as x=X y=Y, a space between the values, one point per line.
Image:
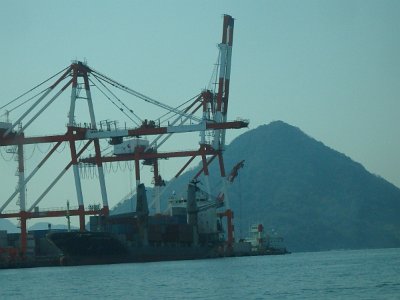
x=332 y=68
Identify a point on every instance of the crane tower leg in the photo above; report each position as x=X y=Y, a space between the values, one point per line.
x=78 y=185
x=137 y=175
x=157 y=186
x=22 y=197
x=96 y=147
x=206 y=174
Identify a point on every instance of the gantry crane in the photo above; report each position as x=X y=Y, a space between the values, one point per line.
x=80 y=77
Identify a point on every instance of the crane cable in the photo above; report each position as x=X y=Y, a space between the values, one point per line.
x=121 y=109
x=142 y=96
x=169 y=112
x=119 y=100
x=214 y=75
x=130 y=110
x=26 y=101
x=43 y=82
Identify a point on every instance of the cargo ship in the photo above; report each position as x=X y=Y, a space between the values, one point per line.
x=190 y=229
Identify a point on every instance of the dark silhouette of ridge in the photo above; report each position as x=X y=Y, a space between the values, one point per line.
x=312 y=195
x=316 y=197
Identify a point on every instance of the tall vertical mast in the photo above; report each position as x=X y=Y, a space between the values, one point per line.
x=225 y=57
x=225 y=49
x=71 y=115
x=71 y=124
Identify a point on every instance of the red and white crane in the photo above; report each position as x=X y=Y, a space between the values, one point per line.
x=80 y=78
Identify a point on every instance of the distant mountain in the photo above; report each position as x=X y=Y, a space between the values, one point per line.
x=45 y=226
x=314 y=196
x=9 y=226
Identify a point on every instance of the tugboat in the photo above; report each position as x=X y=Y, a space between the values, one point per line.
x=262 y=243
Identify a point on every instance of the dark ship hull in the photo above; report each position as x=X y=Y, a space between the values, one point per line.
x=83 y=248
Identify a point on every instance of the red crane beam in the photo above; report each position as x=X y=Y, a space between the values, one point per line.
x=80 y=133
x=51 y=213
x=148 y=156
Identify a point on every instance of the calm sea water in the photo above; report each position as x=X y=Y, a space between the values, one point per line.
x=361 y=274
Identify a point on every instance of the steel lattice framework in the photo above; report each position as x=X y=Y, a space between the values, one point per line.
x=212 y=107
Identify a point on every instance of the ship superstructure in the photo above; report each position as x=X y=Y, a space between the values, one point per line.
x=262 y=242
